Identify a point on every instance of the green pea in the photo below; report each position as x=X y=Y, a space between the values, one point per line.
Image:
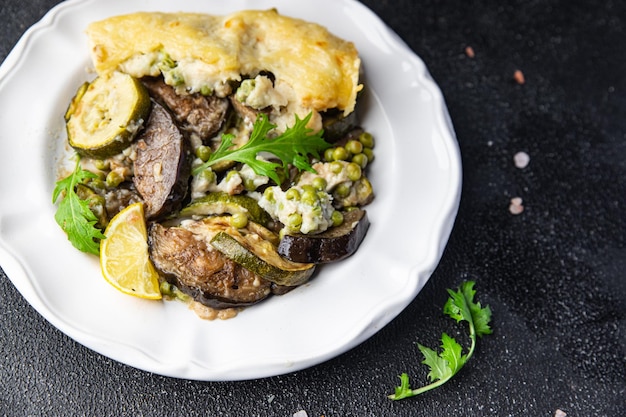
x=294 y=220
x=204 y=152
x=239 y=220
x=367 y=139
x=166 y=288
x=328 y=154
x=319 y=183
x=353 y=171
x=336 y=167
x=354 y=146
x=249 y=184
x=268 y=194
x=340 y=154
x=369 y=153
x=208 y=175
x=97 y=183
x=337 y=218
x=230 y=174
x=205 y=90
x=360 y=159
x=342 y=190
x=114 y=179
x=309 y=197
x=292 y=194
x=102 y=165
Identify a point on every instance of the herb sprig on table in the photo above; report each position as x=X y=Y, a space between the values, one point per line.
x=449 y=361
x=292 y=147
x=74 y=215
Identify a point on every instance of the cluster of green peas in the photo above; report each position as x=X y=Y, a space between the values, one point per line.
x=359 y=151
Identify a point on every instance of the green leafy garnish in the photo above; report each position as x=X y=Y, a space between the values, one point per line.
x=292 y=147
x=74 y=215
x=445 y=364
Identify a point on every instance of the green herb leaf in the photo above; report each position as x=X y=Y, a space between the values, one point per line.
x=74 y=215
x=444 y=365
x=294 y=147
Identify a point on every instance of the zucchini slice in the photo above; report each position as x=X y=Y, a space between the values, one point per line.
x=105 y=115
x=218 y=203
x=260 y=257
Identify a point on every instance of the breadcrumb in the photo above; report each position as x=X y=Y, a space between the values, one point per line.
x=518 y=76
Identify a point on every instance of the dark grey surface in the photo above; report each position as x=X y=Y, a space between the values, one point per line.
x=554 y=275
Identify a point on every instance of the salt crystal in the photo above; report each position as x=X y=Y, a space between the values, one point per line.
x=521 y=159
x=516 y=207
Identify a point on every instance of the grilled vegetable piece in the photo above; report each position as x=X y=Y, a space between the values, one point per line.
x=105 y=115
x=261 y=257
x=223 y=203
x=197 y=113
x=332 y=245
x=163 y=164
x=336 y=125
x=208 y=276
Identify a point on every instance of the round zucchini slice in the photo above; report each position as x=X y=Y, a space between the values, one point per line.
x=105 y=115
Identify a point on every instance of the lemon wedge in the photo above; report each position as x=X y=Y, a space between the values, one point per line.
x=124 y=255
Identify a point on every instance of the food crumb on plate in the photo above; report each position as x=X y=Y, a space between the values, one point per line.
x=559 y=413
x=521 y=159
x=518 y=76
x=516 y=207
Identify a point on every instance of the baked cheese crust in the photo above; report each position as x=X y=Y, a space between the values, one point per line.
x=312 y=69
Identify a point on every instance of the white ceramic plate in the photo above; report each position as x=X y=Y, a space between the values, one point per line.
x=416 y=176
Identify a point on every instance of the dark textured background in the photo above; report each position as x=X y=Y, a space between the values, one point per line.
x=554 y=275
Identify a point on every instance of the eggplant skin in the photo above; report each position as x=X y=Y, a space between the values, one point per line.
x=201 y=272
x=332 y=245
x=163 y=164
x=194 y=113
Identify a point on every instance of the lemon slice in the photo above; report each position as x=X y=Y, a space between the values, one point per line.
x=124 y=255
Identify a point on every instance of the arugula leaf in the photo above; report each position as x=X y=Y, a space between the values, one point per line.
x=292 y=147
x=74 y=215
x=445 y=364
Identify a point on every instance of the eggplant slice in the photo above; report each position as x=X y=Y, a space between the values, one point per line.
x=194 y=113
x=332 y=245
x=202 y=272
x=163 y=164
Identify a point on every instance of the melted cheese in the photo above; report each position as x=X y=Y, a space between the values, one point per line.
x=313 y=69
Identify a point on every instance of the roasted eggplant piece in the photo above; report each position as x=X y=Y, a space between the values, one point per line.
x=202 y=272
x=332 y=245
x=163 y=164
x=195 y=113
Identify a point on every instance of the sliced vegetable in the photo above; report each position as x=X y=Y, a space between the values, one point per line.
x=162 y=165
x=105 y=115
x=260 y=257
x=218 y=203
x=333 y=245
x=186 y=260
